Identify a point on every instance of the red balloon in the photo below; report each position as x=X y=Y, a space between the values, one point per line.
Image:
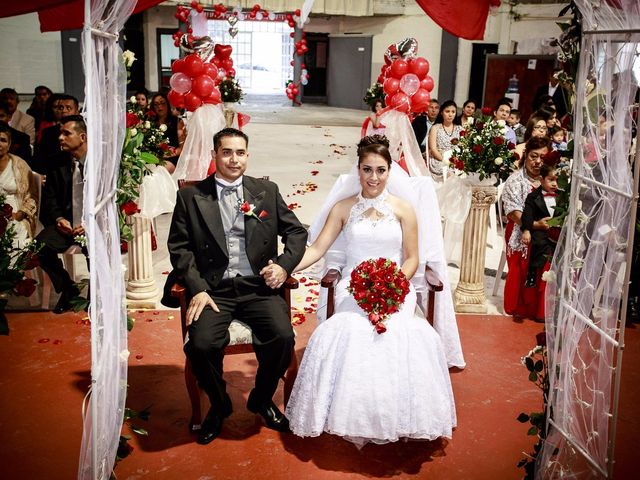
x=176 y=99
x=399 y=67
x=299 y=51
x=420 y=100
x=211 y=70
x=231 y=72
x=214 y=98
x=193 y=65
x=400 y=101
x=216 y=61
x=192 y=101
x=380 y=79
x=222 y=51
x=387 y=60
x=420 y=67
x=178 y=66
x=391 y=86
x=427 y=83
x=203 y=86
x=387 y=100
x=227 y=63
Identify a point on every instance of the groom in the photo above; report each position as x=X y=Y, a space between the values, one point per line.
x=223 y=243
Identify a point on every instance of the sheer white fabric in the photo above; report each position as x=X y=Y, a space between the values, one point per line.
x=420 y=193
x=157 y=193
x=365 y=386
x=105 y=98
x=585 y=298
x=195 y=158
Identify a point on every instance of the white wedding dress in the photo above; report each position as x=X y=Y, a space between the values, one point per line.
x=365 y=386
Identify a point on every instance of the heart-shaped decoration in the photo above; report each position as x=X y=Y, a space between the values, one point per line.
x=233 y=31
x=232 y=20
x=224 y=51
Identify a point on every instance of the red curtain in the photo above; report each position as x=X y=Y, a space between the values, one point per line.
x=9 y=9
x=462 y=18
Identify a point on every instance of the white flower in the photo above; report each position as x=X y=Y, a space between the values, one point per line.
x=132 y=99
x=446 y=155
x=163 y=128
x=147 y=124
x=470 y=120
x=549 y=276
x=498 y=161
x=502 y=123
x=129 y=57
x=477 y=139
x=134 y=132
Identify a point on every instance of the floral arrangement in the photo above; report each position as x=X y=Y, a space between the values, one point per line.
x=379 y=287
x=14 y=261
x=482 y=148
x=249 y=210
x=374 y=94
x=536 y=363
x=230 y=90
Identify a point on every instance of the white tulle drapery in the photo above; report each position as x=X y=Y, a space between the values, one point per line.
x=105 y=98
x=587 y=297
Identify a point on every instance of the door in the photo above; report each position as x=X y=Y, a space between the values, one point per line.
x=316 y=62
x=72 y=63
x=478 y=62
x=349 y=71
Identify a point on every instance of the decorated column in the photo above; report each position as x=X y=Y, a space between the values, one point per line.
x=469 y=296
x=141 y=287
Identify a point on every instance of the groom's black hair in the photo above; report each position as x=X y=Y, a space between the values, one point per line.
x=228 y=132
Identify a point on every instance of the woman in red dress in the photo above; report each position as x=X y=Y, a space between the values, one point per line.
x=520 y=300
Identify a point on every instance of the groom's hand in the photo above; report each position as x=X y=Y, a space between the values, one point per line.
x=198 y=304
x=274 y=275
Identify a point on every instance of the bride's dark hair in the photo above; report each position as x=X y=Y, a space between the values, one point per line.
x=376 y=144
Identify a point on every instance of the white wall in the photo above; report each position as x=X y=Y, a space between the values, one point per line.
x=29 y=58
x=154 y=18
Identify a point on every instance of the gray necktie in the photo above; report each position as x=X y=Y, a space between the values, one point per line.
x=229 y=206
x=77 y=186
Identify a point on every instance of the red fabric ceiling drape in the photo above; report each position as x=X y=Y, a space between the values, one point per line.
x=462 y=18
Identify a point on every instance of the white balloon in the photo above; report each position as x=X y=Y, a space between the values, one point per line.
x=409 y=83
x=272 y=16
x=259 y=16
x=304 y=81
x=303 y=71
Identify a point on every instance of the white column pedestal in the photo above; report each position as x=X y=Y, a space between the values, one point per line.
x=469 y=296
x=141 y=286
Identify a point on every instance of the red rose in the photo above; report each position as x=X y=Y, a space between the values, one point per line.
x=374 y=318
x=498 y=140
x=454 y=141
x=3 y=225
x=132 y=120
x=458 y=164
x=6 y=210
x=25 y=287
x=130 y=208
x=380 y=328
x=31 y=261
x=151 y=114
x=551 y=158
x=462 y=133
x=164 y=147
x=477 y=149
x=511 y=145
x=487 y=110
x=245 y=207
x=479 y=125
x=263 y=214
x=541 y=339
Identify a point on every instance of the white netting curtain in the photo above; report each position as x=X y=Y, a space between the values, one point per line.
x=585 y=299
x=105 y=97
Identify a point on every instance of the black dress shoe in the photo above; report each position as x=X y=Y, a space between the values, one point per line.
x=212 y=425
x=273 y=418
x=64 y=302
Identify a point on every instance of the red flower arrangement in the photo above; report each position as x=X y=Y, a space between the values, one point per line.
x=379 y=287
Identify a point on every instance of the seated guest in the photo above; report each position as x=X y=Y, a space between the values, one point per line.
x=175 y=128
x=15 y=185
x=514 y=122
x=61 y=208
x=536 y=127
x=423 y=122
x=502 y=112
x=49 y=118
x=17 y=119
x=38 y=104
x=49 y=145
x=19 y=141
x=142 y=99
x=468 y=110
x=558 y=138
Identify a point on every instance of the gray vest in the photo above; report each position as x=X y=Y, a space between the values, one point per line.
x=235 y=237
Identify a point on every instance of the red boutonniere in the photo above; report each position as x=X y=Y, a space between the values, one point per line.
x=249 y=209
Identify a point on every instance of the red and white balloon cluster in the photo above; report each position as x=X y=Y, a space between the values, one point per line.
x=404 y=78
x=194 y=82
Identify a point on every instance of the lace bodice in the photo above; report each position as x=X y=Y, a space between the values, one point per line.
x=372 y=236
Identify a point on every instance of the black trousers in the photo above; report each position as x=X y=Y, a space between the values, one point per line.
x=53 y=243
x=249 y=300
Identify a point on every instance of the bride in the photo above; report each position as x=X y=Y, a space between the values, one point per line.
x=354 y=382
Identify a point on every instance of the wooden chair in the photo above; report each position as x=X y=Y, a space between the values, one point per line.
x=332 y=277
x=240 y=342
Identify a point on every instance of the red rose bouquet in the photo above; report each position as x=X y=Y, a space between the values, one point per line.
x=379 y=287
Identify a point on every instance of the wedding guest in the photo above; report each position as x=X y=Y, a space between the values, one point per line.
x=423 y=122
x=520 y=300
x=514 y=122
x=175 y=128
x=17 y=119
x=49 y=147
x=38 y=104
x=501 y=114
x=61 y=208
x=441 y=134
x=549 y=114
x=16 y=182
x=557 y=93
x=374 y=120
x=536 y=127
x=19 y=141
x=468 y=110
x=558 y=138
x=142 y=99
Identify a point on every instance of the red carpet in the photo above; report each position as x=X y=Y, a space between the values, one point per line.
x=47 y=370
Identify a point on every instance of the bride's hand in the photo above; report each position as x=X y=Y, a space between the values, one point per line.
x=198 y=304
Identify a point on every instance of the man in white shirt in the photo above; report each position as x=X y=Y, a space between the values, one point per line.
x=501 y=114
x=17 y=119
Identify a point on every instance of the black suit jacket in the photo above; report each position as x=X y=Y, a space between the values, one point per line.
x=535 y=208
x=197 y=244
x=560 y=99
x=56 y=194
